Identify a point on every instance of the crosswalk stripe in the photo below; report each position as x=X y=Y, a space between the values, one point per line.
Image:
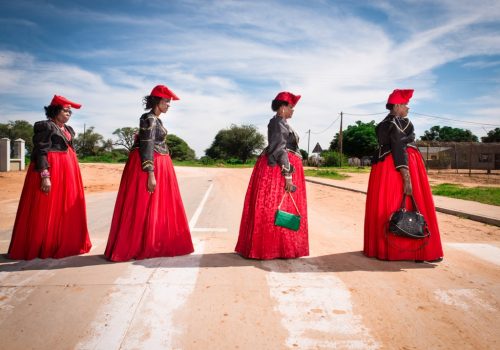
x=482 y=251
x=316 y=308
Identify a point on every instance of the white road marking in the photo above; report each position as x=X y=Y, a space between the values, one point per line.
x=464 y=299
x=138 y=313
x=316 y=308
x=16 y=286
x=167 y=291
x=197 y=213
x=483 y=251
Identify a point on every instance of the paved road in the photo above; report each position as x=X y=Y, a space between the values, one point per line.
x=214 y=299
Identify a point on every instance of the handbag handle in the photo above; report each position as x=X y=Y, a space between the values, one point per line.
x=403 y=203
x=279 y=206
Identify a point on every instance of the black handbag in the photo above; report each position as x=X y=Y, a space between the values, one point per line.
x=409 y=224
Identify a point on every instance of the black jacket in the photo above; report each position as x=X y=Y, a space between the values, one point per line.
x=48 y=137
x=394 y=134
x=281 y=138
x=152 y=138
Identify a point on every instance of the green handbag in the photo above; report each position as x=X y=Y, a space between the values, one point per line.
x=285 y=219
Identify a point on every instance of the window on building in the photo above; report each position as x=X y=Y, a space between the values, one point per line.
x=484 y=157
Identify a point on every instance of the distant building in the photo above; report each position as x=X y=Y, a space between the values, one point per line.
x=461 y=155
x=317 y=149
x=366 y=161
x=354 y=161
x=315 y=158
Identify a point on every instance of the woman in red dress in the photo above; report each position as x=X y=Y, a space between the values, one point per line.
x=51 y=220
x=277 y=173
x=398 y=169
x=149 y=218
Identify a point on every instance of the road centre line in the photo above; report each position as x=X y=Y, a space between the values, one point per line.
x=197 y=213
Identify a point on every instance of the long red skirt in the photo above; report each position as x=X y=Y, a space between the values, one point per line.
x=259 y=238
x=385 y=192
x=148 y=225
x=52 y=225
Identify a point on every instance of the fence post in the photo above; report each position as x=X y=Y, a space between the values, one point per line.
x=427 y=159
x=5 y=154
x=20 y=152
x=470 y=159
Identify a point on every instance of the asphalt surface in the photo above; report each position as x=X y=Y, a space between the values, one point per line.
x=214 y=299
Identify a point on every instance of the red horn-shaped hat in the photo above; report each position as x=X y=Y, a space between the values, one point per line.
x=398 y=97
x=64 y=102
x=163 y=92
x=288 y=97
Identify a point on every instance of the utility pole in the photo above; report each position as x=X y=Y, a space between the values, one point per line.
x=83 y=147
x=308 y=141
x=340 y=138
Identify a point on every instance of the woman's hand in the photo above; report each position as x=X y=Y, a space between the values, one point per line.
x=45 y=185
x=405 y=174
x=151 y=182
x=289 y=186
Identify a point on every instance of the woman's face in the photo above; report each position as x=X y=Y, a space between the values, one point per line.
x=286 y=111
x=402 y=110
x=163 y=105
x=63 y=116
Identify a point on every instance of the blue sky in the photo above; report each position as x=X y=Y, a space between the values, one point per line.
x=227 y=60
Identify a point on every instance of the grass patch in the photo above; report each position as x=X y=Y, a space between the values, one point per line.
x=344 y=169
x=214 y=164
x=104 y=158
x=354 y=169
x=328 y=173
x=486 y=195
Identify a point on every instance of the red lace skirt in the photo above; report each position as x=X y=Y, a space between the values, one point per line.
x=385 y=192
x=52 y=225
x=148 y=225
x=259 y=238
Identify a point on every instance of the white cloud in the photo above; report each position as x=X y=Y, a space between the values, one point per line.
x=227 y=60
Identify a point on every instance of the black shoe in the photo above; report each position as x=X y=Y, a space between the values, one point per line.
x=429 y=261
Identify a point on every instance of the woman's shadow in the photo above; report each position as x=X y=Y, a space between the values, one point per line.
x=337 y=262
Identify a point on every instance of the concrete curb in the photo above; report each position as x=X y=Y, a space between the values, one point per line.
x=479 y=218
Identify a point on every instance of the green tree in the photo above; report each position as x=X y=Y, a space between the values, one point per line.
x=492 y=136
x=18 y=129
x=304 y=154
x=431 y=135
x=107 y=145
x=332 y=158
x=179 y=149
x=89 y=143
x=126 y=137
x=357 y=140
x=241 y=142
x=448 y=134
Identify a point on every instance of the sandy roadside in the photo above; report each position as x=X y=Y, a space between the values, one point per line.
x=97 y=177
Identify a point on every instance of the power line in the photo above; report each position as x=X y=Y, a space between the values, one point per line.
x=363 y=115
x=454 y=120
x=425 y=115
x=328 y=127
